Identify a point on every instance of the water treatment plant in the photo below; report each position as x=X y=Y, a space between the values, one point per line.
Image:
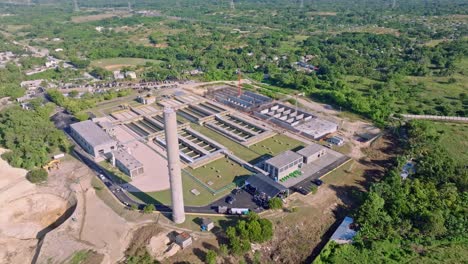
x=224 y=141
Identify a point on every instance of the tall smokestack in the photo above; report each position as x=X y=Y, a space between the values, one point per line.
x=231 y=3
x=175 y=177
x=301 y=5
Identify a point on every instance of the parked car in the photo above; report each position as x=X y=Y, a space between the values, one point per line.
x=236 y=191
x=102 y=176
x=317 y=182
x=230 y=199
x=301 y=190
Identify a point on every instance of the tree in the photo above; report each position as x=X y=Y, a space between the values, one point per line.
x=133 y=207
x=37 y=175
x=149 y=208
x=82 y=116
x=210 y=257
x=275 y=203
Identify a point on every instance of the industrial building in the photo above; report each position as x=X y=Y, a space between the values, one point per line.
x=312 y=153
x=283 y=164
x=127 y=163
x=317 y=128
x=297 y=120
x=230 y=96
x=92 y=139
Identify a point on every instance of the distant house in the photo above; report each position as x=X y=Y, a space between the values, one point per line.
x=183 y=240
x=31 y=85
x=149 y=99
x=130 y=74
x=118 y=75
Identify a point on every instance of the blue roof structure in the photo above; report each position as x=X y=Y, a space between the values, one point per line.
x=344 y=234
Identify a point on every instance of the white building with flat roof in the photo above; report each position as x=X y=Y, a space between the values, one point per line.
x=283 y=164
x=312 y=152
x=92 y=139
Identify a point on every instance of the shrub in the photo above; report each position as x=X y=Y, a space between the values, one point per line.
x=37 y=176
x=210 y=257
x=149 y=208
x=275 y=203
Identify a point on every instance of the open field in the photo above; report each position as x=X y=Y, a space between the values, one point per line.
x=220 y=172
x=89 y=18
x=454 y=140
x=164 y=197
x=113 y=64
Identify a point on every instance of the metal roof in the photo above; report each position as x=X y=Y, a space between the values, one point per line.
x=284 y=159
x=92 y=133
x=265 y=184
x=344 y=234
x=127 y=160
x=310 y=150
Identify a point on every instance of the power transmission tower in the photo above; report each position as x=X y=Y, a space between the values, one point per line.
x=393 y=4
x=301 y=4
x=232 y=5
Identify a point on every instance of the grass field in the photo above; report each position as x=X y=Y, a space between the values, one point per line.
x=275 y=145
x=113 y=64
x=220 y=172
x=454 y=140
x=164 y=197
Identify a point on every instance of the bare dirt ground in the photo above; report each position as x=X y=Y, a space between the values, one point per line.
x=89 y=18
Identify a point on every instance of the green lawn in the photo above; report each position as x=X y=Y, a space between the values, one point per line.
x=275 y=145
x=113 y=64
x=228 y=170
x=454 y=140
x=164 y=197
x=193 y=222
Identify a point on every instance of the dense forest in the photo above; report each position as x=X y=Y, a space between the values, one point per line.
x=372 y=57
x=403 y=219
x=30 y=136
